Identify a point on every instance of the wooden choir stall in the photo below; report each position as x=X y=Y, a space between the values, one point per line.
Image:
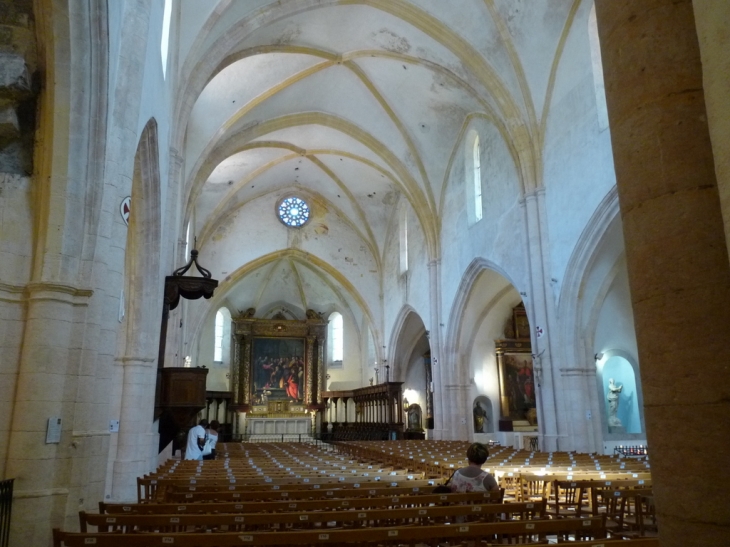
x=378 y=413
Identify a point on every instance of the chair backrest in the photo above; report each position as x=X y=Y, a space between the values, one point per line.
x=535 y=530
x=425 y=515
x=288 y=505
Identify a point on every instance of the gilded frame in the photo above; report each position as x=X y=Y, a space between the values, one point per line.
x=247 y=329
x=517 y=390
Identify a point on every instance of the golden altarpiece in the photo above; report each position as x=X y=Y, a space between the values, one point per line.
x=277 y=375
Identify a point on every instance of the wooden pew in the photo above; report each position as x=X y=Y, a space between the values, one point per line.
x=287 y=505
x=149 y=489
x=368 y=490
x=593 y=528
x=128 y=523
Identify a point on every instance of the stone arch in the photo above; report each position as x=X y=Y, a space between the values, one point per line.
x=482 y=304
x=138 y=340
x=142 y=256
x=408 y=329
x=595 y=272
x=322 y=266
x=409 y=357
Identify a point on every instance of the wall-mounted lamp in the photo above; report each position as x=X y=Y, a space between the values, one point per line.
x=406 y=404
x=598 y=356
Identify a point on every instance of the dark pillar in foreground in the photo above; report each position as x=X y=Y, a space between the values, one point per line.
x=677 y=260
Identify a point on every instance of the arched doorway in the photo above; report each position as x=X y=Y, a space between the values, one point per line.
x=481 y=315
x=411 y=358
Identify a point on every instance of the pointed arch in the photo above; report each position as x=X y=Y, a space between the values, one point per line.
x=408 y=330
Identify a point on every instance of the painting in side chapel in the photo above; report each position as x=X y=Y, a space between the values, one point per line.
x=278 y=370
x=519 y=383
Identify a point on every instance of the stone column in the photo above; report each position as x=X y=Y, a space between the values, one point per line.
x=438 y=371
x=677 y=258
x=539 y=303
x=133 y=444
x=48 y=373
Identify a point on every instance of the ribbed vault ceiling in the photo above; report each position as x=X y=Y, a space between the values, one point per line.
x=357 y=105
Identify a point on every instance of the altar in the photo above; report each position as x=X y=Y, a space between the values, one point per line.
x=278 y=418
x=279 y=426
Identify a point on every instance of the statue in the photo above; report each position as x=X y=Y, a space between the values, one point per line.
x=612 y=397
x=311 y=314
x=414 y=418
x=480 y=418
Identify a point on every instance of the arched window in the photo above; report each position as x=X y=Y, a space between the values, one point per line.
x=473 y=177
x=404 y=241
x=477 y=179
x=336 y=337
x=165 y=41
x=218 y=347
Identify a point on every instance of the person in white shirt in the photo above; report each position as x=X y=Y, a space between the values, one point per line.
x=196 y=441
x=212 y=432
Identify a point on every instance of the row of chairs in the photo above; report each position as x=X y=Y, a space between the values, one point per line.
x=517 y=532
x=440 y=458
x=400 y=509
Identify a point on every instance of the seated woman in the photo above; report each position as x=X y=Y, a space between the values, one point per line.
x=473 y=478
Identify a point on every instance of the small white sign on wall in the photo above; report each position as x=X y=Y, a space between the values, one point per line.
x=53 y=432
x=113 y=426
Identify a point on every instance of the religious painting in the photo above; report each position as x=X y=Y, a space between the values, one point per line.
x=517 y=384
x=278 y=366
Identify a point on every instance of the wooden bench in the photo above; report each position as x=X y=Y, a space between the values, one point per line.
x=324 y=491
x=523 y=531
x=288 y=505
x=240 y=522
x=149 y=489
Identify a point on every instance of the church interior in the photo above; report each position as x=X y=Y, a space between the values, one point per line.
x=339 y=221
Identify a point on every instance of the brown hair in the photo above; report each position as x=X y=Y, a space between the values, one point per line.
x=477 y=453
x=214 y=425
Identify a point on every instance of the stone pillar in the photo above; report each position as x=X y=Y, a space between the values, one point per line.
x=133 y=445
x=435 y=343
x=48 y=372
x=539 y=303
x=677 y=258
x=18 y=62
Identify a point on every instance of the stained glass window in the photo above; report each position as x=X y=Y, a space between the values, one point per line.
x=294 y=212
